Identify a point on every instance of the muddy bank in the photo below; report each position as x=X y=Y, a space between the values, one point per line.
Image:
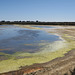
x=59 y=66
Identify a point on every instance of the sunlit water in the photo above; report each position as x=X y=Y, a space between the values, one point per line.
x=42 y=26
x=16 y=39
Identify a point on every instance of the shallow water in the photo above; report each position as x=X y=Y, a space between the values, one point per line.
x=43 y=26
x=16 y=39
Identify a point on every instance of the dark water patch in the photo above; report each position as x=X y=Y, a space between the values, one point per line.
x=1 y=55
x=8 y=52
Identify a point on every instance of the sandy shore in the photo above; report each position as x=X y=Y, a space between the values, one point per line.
x=59 y=66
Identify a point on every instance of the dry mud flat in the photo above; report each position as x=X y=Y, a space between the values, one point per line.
x=59 y=66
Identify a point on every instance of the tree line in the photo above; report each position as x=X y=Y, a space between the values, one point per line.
x=36 y=23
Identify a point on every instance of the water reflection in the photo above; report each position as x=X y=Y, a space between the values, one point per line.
x=43 y=26
x=13 y=39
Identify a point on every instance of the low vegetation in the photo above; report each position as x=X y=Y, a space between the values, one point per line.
x=36 y=23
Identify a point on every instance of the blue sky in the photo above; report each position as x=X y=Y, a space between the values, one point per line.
x=42 y=10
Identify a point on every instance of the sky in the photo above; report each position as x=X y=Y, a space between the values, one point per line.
x=41 y=10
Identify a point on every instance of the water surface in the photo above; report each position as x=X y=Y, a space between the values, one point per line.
x=16 y=39
x=42 y=26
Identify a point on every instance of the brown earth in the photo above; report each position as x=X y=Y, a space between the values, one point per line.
x=59 y=66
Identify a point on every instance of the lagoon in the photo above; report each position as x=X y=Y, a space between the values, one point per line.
x=17 y=39
x=22 y=45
